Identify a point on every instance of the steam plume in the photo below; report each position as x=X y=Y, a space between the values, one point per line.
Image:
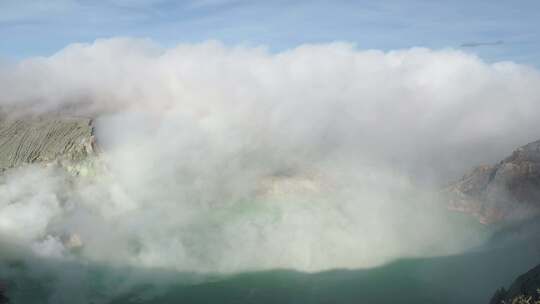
x=232 y=158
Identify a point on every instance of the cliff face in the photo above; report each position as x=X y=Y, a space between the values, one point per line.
x=525 y=289
x=31 y=140
x=507 y=189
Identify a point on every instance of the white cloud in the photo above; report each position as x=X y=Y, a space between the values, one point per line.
x=191 y=133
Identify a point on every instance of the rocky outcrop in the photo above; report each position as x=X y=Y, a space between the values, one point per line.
x=525 y=289
x=44 y=139
x=510 y=188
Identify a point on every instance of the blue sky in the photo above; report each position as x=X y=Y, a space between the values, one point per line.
x=496 y=30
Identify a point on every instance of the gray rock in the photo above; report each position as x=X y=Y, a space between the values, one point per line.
x=508 y=189
x=44 y=139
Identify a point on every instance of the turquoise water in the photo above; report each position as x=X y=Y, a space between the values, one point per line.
x=461 y=279
x=466 y=278
x=469 y=278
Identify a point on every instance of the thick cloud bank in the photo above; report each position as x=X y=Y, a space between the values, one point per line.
x=229 y=159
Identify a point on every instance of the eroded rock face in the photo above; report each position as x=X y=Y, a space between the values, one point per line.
x=510 y=188
x=44 y=139
x=66 y=142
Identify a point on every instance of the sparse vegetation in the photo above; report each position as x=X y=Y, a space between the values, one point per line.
x=523 y=299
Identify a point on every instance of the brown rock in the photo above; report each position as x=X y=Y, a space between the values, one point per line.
x=508 y=189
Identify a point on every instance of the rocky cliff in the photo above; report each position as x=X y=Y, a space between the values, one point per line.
x=44 y=139
x=509 y=189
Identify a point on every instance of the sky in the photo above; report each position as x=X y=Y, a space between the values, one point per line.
x=495 y=30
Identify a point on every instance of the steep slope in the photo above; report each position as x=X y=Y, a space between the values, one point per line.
x=44 y=139
x=525 y=289
x=509 y=189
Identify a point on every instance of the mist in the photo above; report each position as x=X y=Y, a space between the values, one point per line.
x=222 y=159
